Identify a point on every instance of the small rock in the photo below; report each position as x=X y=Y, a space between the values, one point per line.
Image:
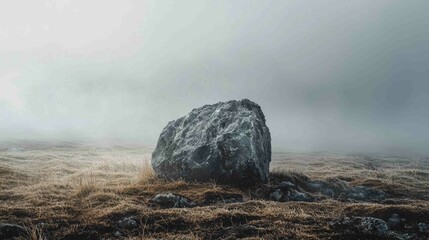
x=374 y=226
x=117 y=234
x=362 y=193
x=300 y=196
x=286 y=185
x=172 y=200
x=286 y=191
x=10 y=231
x=276 y=195
x=395 y=222
x=423 y=227
x=403 y=236
x=128 y=222
x=366 y=228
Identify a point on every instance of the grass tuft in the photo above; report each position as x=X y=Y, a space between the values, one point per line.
x=82 y=192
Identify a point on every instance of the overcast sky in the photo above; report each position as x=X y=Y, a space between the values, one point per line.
x=329 y=75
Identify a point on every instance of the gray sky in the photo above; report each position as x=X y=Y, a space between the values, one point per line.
x=329 y=75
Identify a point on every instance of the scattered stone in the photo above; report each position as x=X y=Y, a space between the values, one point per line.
x=11 y=231
x=286 y=185
x=336 y=188
x=332 y=188
x=423 y=227
x=287 y=191
x=362 y=193
x=228 y=142
x=374 y=226
x=396 y=222
x=172 y=200
x=216 y=197
x=366 y=228
x=300 y=196
x=128 y=222
x=405 y=236
x=277 y=195
x=117 y=234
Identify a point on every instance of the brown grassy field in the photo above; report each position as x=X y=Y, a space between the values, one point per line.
x=81 y=191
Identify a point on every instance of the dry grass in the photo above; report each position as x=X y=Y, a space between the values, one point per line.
x=73 y=191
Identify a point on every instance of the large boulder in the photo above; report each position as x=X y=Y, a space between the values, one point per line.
x=227 y=142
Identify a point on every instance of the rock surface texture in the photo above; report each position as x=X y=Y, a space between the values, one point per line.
x=287 y=191
x=172 y=200
x=227 y=142
x=368 y=228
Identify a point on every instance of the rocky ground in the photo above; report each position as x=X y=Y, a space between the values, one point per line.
x=102 y=191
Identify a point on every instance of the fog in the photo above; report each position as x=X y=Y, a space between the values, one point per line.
x=329 y=75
